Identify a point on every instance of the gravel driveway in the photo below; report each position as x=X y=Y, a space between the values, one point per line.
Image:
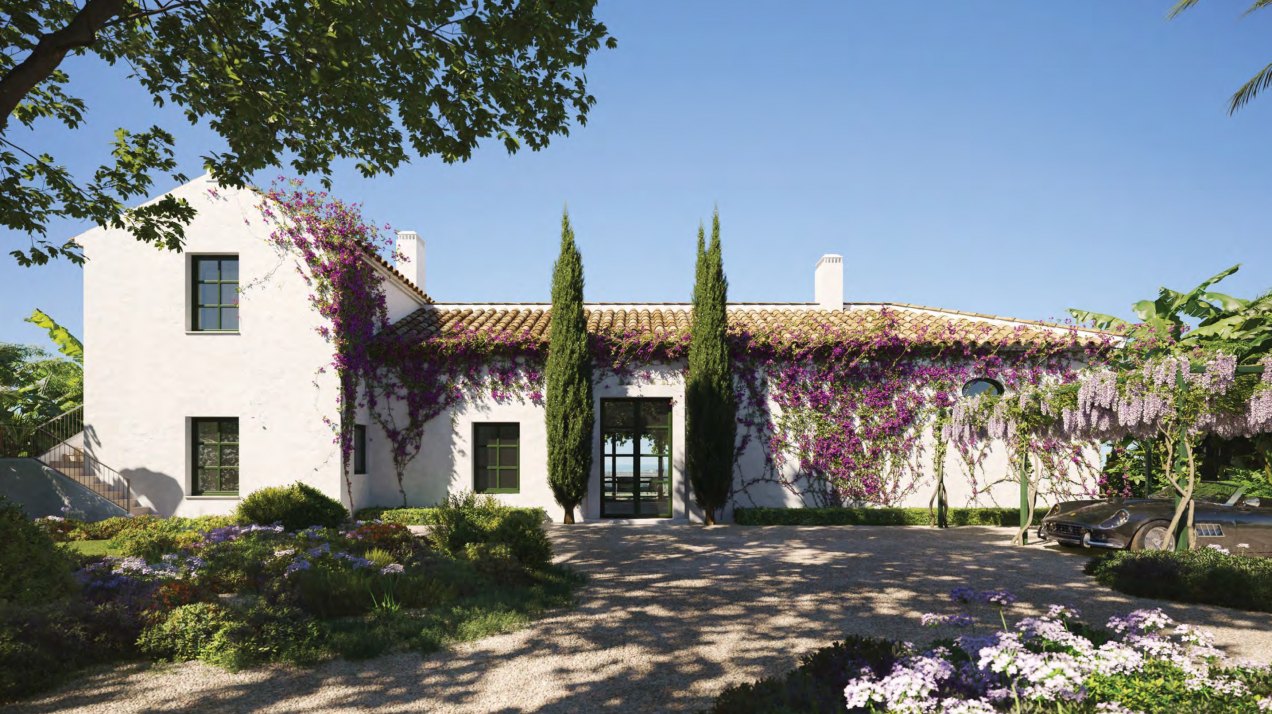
x=671 y=616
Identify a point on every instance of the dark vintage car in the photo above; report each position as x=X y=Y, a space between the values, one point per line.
x=1224 y=516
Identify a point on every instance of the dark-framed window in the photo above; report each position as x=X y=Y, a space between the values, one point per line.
x=216 y=293
x=216 y=456
x=359 y=449
x=496 y=458
x=983 y=385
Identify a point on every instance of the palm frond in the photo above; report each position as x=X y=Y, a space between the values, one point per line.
x=1251 y=89
x=1258 y=5
x=1180 y=6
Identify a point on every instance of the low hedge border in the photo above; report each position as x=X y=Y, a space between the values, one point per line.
x=1206 y=575
x=877 y=516
x=418 y=516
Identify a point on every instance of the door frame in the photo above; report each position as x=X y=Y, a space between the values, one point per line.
x=670 y=471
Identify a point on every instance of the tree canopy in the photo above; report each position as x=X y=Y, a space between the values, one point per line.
x=35 y=386
x=302 y=83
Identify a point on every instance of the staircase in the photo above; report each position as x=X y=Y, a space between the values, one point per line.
x=53 y=446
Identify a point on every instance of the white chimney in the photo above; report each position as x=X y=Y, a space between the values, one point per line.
x=828 y=282
x=411 y=261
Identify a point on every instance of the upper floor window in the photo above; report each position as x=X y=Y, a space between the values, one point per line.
x=216 y=302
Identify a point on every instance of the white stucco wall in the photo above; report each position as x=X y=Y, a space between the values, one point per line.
x=147 y=374
x=444 y=465
x=445 y=462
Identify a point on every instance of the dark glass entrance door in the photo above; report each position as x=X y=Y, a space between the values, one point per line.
x=635 y=458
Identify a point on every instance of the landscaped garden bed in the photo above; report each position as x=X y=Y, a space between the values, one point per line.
x=1212 y=576
x=878 y=516
x=1142 y=662
x=239 y=594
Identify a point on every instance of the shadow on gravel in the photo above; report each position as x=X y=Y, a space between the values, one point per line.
x=671 y=615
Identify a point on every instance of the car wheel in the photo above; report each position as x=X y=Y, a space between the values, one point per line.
x=1152 y=537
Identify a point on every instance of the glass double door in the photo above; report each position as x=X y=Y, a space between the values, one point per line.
x=636 y=458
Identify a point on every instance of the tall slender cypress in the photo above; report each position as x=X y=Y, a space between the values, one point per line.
x=569 y=380
x=710 y=404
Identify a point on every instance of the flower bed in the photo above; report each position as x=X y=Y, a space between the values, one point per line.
x=241 y=595
x=1143 y=662
x=877 y=516
x=1211 y=575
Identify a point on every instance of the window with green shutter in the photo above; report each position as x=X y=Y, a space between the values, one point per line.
x=216 y=293
x=496 y=458
x=216 y=456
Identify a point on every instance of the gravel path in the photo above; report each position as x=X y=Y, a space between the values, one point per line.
x=671 y=616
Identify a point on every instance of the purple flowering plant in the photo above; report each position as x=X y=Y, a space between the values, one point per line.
x=1055 y=663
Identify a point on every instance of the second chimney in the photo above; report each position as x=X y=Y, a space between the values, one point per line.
x=828 y=282
x=411 y=262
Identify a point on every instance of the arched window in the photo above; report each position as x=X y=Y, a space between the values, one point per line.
x=981 y=385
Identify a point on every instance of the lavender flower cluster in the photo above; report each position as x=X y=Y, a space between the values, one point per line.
x=1163 y=394
x=1040 y=659
x=227 y=534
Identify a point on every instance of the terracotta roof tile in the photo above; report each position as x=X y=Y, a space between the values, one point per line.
x=785 y=322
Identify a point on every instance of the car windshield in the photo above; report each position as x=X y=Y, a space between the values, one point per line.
x=1207 y=491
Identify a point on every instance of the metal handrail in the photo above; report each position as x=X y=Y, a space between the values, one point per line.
x=86 y=470
x=59 y=429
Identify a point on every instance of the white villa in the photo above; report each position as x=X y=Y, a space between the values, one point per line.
x=204 y=381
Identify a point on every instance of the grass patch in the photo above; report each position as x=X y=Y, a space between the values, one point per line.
x=877 y=516
x=1205 y=575
x=92 y=548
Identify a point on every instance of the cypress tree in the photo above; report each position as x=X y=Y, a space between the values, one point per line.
x=710 y=405
x=569 y=380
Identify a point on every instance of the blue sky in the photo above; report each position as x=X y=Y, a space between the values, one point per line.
x=1003 y=157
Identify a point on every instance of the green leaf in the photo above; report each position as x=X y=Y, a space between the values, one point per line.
x=67 y=343
x=1100 y=320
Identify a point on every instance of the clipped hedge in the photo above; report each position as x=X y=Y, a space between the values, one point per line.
x=1205 y=575
x=877 y=516
x=424 y=516
x=296 y=507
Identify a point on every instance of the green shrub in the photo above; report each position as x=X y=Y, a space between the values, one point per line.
x=237 y=565
x=328 y=590
x=186 y=632
x=877 y=516
x=150 y=537
x=496 y=561
x=296 y=507
x=400 y=516
x=817 y=685
x=108 y=528
x=150 y=542
x=231 y=638
x=32 y=568
x=41 y=644
x=466 y=518
x=1204 y=576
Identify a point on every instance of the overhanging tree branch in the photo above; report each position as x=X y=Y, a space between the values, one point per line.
x=49 y=52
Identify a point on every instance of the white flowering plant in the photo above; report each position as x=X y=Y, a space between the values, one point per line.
x=1141 y=662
